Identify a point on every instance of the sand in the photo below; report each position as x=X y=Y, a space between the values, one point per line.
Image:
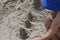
x=19 y=20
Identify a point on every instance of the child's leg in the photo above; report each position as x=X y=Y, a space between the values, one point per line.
x=47 y=25
x=54 y=27
x=49 y=20
x=58 y=32
x=53 y=14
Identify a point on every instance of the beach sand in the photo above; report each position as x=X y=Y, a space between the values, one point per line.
x=19 y=20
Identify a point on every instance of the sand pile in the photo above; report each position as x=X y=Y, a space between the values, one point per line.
x=20 y=20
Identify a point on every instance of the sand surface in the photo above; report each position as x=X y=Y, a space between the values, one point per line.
x=19 y=20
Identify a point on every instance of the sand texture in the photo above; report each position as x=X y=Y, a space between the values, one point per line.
x=21 y=20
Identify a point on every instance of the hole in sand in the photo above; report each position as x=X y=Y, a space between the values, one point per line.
x=23 y=34
x=30 y=16
x=28 y=24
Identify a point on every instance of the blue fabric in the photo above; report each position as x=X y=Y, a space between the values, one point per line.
x=51 y=4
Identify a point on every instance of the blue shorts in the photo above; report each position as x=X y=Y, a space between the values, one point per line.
x=51 y=4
